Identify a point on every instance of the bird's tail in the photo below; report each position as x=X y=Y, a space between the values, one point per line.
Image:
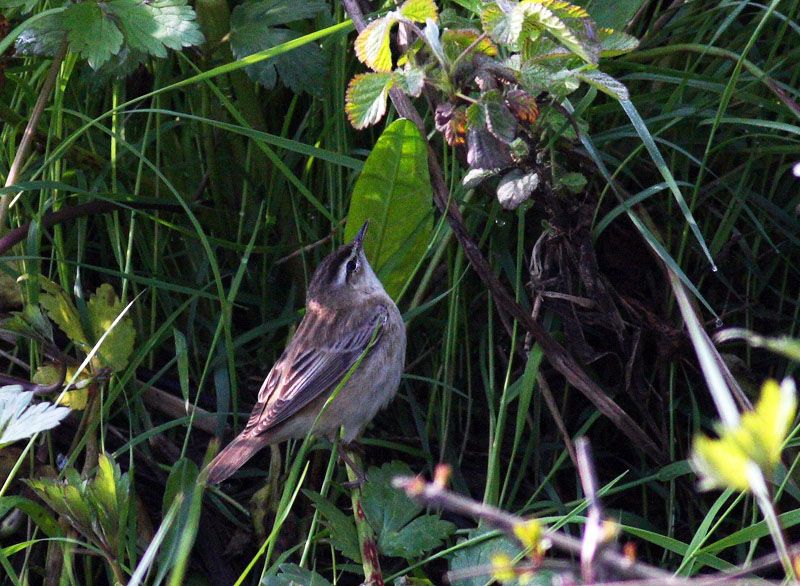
x=233 y=457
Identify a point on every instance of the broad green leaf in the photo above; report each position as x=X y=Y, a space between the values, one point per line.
x=605 y=83
x=344 y=536
x=373 y=43
x=419 y=10
x=91 y=33
x=365 y=101
x=614 y=43
x=255 y=26
x=612 y=13
x=104 y=307
x=20 y=418
x=479 y=555
x=394 y=193
x=66 y=498
x=294 y=575
x=107 y=501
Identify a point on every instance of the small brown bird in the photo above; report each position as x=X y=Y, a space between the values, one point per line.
x=346 y=310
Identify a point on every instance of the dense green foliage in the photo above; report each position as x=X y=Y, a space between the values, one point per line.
x=192 y=165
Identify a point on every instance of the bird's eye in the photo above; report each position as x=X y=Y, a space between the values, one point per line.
x=351 y=266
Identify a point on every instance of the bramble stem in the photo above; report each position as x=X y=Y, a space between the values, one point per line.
x=367 y=543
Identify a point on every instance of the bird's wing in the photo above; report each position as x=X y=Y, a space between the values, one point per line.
x=300 y=377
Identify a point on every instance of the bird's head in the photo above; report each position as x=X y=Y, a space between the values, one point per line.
x=345 y=275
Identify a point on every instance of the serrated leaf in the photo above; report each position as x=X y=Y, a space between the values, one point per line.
x=365 y=100
x=419 y=10
x=554 y=20
x=499 y=120
x=91 y=33
x=373 y=47
x=253 y=29
x=605 y=83
x=536 y=78
x=410 y=80
x=176 y=23
x=61 y=310
x=344 y=536
x=614 y=43
x=67 y=499
x=387 y=509
x=105 y=498
x=394 y=193
x=479 y=555
x=456 y=41
x=30 y=322
x=153 y=27
x=421 y=535
x=516 y=187
x=20 y=418
x=502 y=27
x=294 y=575
x=104 y=307
x=484 y=151
x=574 y=182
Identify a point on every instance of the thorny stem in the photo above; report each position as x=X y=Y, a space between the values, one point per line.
x=367 y=544
x=30 y=132
x=435 y=495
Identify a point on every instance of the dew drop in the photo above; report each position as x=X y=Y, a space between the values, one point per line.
x=500 y=222
x=796 y=170
x=718 y=323
x=714 y=268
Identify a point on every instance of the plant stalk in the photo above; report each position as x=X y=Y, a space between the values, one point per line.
x=30 y=131
x=367 y=544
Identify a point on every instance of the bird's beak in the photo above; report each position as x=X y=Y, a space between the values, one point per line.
x=358 y=241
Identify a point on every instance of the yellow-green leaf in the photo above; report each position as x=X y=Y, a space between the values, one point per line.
x=720 y=463
x=419 y=10
x=765 y=427
x=372 y=44
x=104 y=307
x=50 y=374
x=614 y=43
x=61 y=310
x=551 y=17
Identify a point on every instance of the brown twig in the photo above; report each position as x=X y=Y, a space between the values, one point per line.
x=432 y=494
x=30 y=131
x=558 y=357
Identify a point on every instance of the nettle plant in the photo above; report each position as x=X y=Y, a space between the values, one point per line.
x=489 y=76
